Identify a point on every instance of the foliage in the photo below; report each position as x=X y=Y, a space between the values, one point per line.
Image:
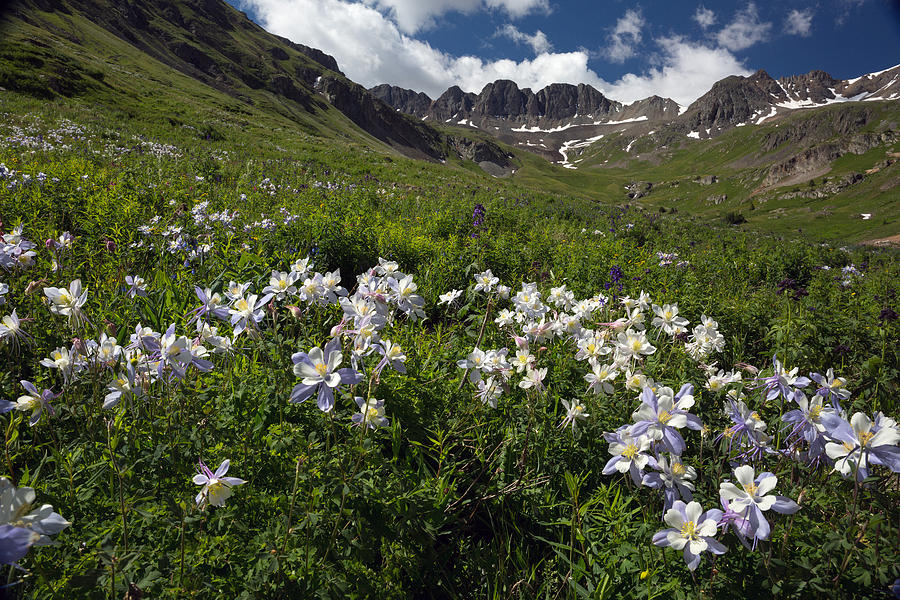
x=453 y=498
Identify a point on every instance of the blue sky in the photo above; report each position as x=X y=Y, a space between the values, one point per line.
x=626 y=50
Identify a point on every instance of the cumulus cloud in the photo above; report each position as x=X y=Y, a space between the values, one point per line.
x=625 y=36
x=371 y=49
x=414 y=15
x=685 y=71
x=538 y=42
x=705 y=17
x=745 y=30
x=799 y=22
x=518 y=8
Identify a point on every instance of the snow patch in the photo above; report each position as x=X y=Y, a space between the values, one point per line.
x=694 y=134
x=634 y=120
x=573 y=144
x=771 y=114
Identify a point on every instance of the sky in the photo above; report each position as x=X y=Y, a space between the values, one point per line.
x=627 y=50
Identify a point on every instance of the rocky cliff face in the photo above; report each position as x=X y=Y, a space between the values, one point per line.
x=732 y=101
x=816 y=86
x=406 y=101
x=502 y=101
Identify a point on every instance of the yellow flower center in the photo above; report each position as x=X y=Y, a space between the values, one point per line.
x=371 y=413
x=865 y=437
x=751 y=488
x=664 y=417
x=849 y=447
x=678 y=468
x=689 y=531
x=321 y=369
x=630 y=451
x=837 y=383
x=815 y=412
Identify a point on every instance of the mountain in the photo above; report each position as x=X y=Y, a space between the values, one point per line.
x=738 y=101
x=561 y=117
x=215 y=45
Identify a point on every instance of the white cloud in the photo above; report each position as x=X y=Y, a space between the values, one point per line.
x=685 y=71
x=745 y=30
x=625 y=36
x=538 y=42
x=518 y=8
x=799 y=22
x=414 y=15
x=705 y=17
x=371 y=49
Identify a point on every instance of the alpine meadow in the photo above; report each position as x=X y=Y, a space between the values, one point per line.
x=267 y=333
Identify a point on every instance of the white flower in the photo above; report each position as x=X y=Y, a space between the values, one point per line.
x=68 y=302
x=485 y=282
x=600 y=379
x=750 y=492
x=16 y=511
x=216 y=487
x=449 y=297
x=281 y=284
x=534 y=378
x=574 y=411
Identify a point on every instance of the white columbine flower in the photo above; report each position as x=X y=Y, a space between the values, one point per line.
x=68 y=302
x=216 y=487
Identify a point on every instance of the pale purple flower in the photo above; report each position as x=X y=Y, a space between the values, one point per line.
x=807 y=423
x=371 y=413
x=319 y=370
x=136 y=286
x=752 y=498
x=858 y=444
x=630 y=453
x=35 y=401
x=831 y=387
x=21 y=526
x=782 y=382
x=661 y=416
x=673 y=478
x=749 y=431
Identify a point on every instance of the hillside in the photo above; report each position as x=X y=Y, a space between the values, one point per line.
x=177 y=61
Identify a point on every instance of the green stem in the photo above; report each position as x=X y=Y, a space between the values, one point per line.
x=112 y=459
x=291 y=509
